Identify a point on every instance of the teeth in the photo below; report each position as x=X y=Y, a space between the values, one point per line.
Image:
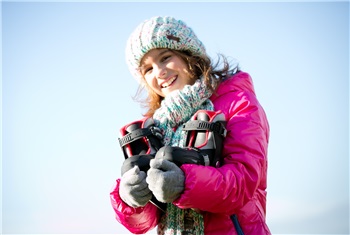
x=168 y=83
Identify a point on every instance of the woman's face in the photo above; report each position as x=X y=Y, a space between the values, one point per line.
x=164 y=71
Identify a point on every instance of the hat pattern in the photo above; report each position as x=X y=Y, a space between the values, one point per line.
x=160 y=32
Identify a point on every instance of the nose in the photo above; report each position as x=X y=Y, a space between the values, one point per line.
x=161 y=72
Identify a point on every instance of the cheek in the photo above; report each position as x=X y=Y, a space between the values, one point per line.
x=190 y=79
x=152 y=86
x=149 y=81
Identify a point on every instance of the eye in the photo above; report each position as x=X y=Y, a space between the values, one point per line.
x=165 y=58
x=146 y=70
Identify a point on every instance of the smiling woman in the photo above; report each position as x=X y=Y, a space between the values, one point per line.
x=168 y=58
x=164 y=71
x=66 y=91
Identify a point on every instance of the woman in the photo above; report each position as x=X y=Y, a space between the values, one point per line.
x=171 y=63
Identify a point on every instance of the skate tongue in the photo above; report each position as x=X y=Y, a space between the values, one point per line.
x=201 y=137
x=131 y=142
x=203 y=116
x=205 y=132
x=140 y=137
x=132 y=127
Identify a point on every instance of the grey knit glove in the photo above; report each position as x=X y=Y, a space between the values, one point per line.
x=165 y=179
x=133 y=189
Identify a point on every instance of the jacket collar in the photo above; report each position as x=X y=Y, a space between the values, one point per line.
x=240 y=81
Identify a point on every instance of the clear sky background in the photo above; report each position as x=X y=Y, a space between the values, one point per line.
x=66 y=92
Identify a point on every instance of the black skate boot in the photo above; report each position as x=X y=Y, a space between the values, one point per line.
x=140 y=140
x=204 y=138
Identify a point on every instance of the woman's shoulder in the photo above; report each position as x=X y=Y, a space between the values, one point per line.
x=240 y=81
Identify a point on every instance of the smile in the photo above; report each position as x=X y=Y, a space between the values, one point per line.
x=169 y=82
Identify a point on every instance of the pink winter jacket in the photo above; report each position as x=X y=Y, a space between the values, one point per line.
x=237 y=187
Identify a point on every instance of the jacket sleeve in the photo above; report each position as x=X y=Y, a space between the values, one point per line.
x=136 y=220
x=227 y=188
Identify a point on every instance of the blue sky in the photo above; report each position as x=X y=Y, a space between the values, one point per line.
x=66 y=91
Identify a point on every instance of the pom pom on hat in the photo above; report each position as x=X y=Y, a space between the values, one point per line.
x=160 y=32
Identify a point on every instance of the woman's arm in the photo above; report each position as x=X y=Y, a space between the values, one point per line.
x=137 y=220
x=224 y=189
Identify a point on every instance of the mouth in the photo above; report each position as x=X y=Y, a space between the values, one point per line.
x=169 y=82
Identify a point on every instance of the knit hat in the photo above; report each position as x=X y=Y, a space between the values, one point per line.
x=160 y=32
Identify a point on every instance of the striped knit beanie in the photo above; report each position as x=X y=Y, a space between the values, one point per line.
x=160 y=32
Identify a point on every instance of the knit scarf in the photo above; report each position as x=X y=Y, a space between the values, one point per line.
x=176 y=109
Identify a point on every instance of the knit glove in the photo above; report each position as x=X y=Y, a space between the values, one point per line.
x=165 y=180
x=133 y=189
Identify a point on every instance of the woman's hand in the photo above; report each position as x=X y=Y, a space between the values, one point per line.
x=165 y=179
x=133 y=188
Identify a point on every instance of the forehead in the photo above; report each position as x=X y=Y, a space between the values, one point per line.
x=153 y=54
